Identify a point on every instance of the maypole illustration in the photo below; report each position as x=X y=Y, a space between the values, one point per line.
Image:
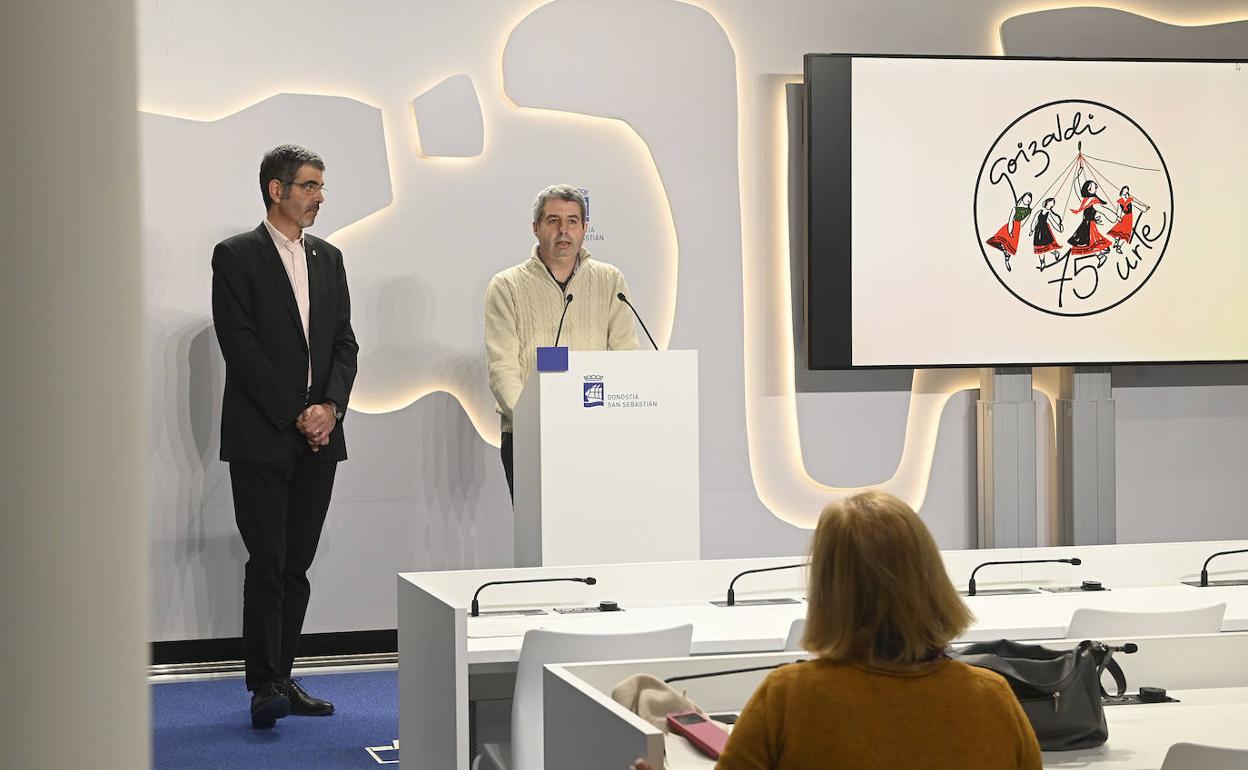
x=1032 y=154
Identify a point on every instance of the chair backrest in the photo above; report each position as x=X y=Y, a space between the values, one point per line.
x=1193 y=756
x=541 y=647
x=1089 y=623
x=794 y=641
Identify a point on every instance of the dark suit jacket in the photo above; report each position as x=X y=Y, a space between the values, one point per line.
x=266 y=355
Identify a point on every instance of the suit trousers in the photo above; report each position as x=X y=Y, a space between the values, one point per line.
x=280 y=507
x=505 y=451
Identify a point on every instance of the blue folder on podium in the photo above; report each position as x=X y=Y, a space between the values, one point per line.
x=552 y=359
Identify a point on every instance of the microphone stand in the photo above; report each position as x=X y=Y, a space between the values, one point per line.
x=731 y=601
x=622 y=298
x=567 y=300
x=476 y=608
x=1204 y=573
x=970 y=586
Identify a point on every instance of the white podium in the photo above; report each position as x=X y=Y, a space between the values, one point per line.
x=606 y=460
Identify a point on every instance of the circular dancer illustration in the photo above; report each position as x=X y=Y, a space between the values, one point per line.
x=1073 y=155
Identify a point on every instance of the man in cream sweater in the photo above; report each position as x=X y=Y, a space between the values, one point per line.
x=523 y=303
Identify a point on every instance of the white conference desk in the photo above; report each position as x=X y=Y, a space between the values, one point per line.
x=719 y=630
x=447 y=659
x=1208 y=674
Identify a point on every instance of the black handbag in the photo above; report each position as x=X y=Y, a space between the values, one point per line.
x=1060 y=690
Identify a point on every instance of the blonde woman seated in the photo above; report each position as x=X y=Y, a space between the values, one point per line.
x=880 y=693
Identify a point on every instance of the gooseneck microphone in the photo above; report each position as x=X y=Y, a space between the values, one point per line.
x=567 y=300
x=732 y=596
x=970 y=587
x=624 y=299
x=476 y=608
x=1204 y=571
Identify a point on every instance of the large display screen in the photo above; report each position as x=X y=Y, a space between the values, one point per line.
x=998 y=211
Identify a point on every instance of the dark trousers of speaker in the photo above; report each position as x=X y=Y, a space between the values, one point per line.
x=504 y=449
x=280 y=508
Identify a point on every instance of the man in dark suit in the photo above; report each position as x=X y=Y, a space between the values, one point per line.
x=283 y=318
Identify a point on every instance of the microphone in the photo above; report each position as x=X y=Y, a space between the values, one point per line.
x=567 y=300
x=624 y=299
x=970 y=587
x=732 y=596
x=1204 y=573
x=476 y=608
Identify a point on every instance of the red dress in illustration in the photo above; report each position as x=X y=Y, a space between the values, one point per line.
x=1087 y=239
x=1006 y=239
x=1124 y=230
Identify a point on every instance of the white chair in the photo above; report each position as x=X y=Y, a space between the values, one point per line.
x=1193 y=756
x=541 y=647
x=1089 y=623
x=794 y=641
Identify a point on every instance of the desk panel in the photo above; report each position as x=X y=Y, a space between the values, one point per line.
x=447 y=649
x=1139 y=735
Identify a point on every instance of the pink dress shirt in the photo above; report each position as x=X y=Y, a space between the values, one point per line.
x=295 y=260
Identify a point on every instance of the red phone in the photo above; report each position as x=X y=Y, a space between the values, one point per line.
x=706 y=736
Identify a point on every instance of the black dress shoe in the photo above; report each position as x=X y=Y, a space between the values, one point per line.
x=269 y=703
x=303 y=704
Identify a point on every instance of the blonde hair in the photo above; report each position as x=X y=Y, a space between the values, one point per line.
x=878 y=588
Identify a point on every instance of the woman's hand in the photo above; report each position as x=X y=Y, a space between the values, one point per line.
x=640 y=764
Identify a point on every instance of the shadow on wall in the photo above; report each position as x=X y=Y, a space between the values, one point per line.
x=476 y=525
x=438 y=488
x=194 y=538
x=423 y=493
x=433 y=437
x=403 y=313
x=215 y=550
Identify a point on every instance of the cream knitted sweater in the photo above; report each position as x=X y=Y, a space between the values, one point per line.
x=522 y=308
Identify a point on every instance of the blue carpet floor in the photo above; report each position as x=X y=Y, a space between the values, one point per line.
x=207 y=725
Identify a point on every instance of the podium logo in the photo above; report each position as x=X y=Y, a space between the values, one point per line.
x=592 y=391
x=591 y=233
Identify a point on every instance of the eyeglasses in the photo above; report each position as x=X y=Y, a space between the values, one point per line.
x=309 y=187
